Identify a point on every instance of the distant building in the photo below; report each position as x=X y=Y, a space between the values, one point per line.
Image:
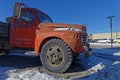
x=104 y=35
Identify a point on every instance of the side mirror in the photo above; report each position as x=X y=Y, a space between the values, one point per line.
x=17 y=10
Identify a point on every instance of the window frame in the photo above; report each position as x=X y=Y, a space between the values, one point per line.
x=28 y=16
x=39 y=12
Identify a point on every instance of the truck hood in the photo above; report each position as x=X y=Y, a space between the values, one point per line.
x=62 y=27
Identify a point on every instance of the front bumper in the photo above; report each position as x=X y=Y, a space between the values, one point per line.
x=88 y=51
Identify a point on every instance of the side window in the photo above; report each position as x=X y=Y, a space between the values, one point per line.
x=27 y=16
x=44 y=18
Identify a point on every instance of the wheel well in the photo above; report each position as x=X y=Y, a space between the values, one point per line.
x=45 y=40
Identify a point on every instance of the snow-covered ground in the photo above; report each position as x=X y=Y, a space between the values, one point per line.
x=104 y=64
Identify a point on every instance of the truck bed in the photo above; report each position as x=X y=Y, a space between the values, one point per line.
x=4 y=36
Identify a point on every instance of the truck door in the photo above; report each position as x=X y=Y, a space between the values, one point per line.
x=23 y=30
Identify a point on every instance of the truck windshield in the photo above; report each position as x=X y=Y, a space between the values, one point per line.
x=44 y=18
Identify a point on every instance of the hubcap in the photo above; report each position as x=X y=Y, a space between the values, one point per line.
x=54 y=56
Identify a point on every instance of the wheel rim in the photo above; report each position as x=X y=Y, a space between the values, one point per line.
x=55 y=56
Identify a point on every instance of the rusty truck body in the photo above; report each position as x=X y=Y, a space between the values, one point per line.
x=56 y=43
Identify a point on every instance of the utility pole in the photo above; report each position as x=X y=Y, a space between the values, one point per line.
x=110 y=17
x=116 y=32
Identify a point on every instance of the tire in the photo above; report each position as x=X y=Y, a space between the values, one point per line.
x=56 y=56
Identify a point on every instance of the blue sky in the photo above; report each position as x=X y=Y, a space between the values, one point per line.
x=91 y=13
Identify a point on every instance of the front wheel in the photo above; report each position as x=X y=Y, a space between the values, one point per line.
x=56 y=56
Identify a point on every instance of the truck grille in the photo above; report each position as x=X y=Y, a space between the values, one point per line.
x=85 y=39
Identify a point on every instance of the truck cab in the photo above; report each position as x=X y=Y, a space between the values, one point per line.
x=23 y=30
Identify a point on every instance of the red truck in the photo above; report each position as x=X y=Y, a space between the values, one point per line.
x=57 y=44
